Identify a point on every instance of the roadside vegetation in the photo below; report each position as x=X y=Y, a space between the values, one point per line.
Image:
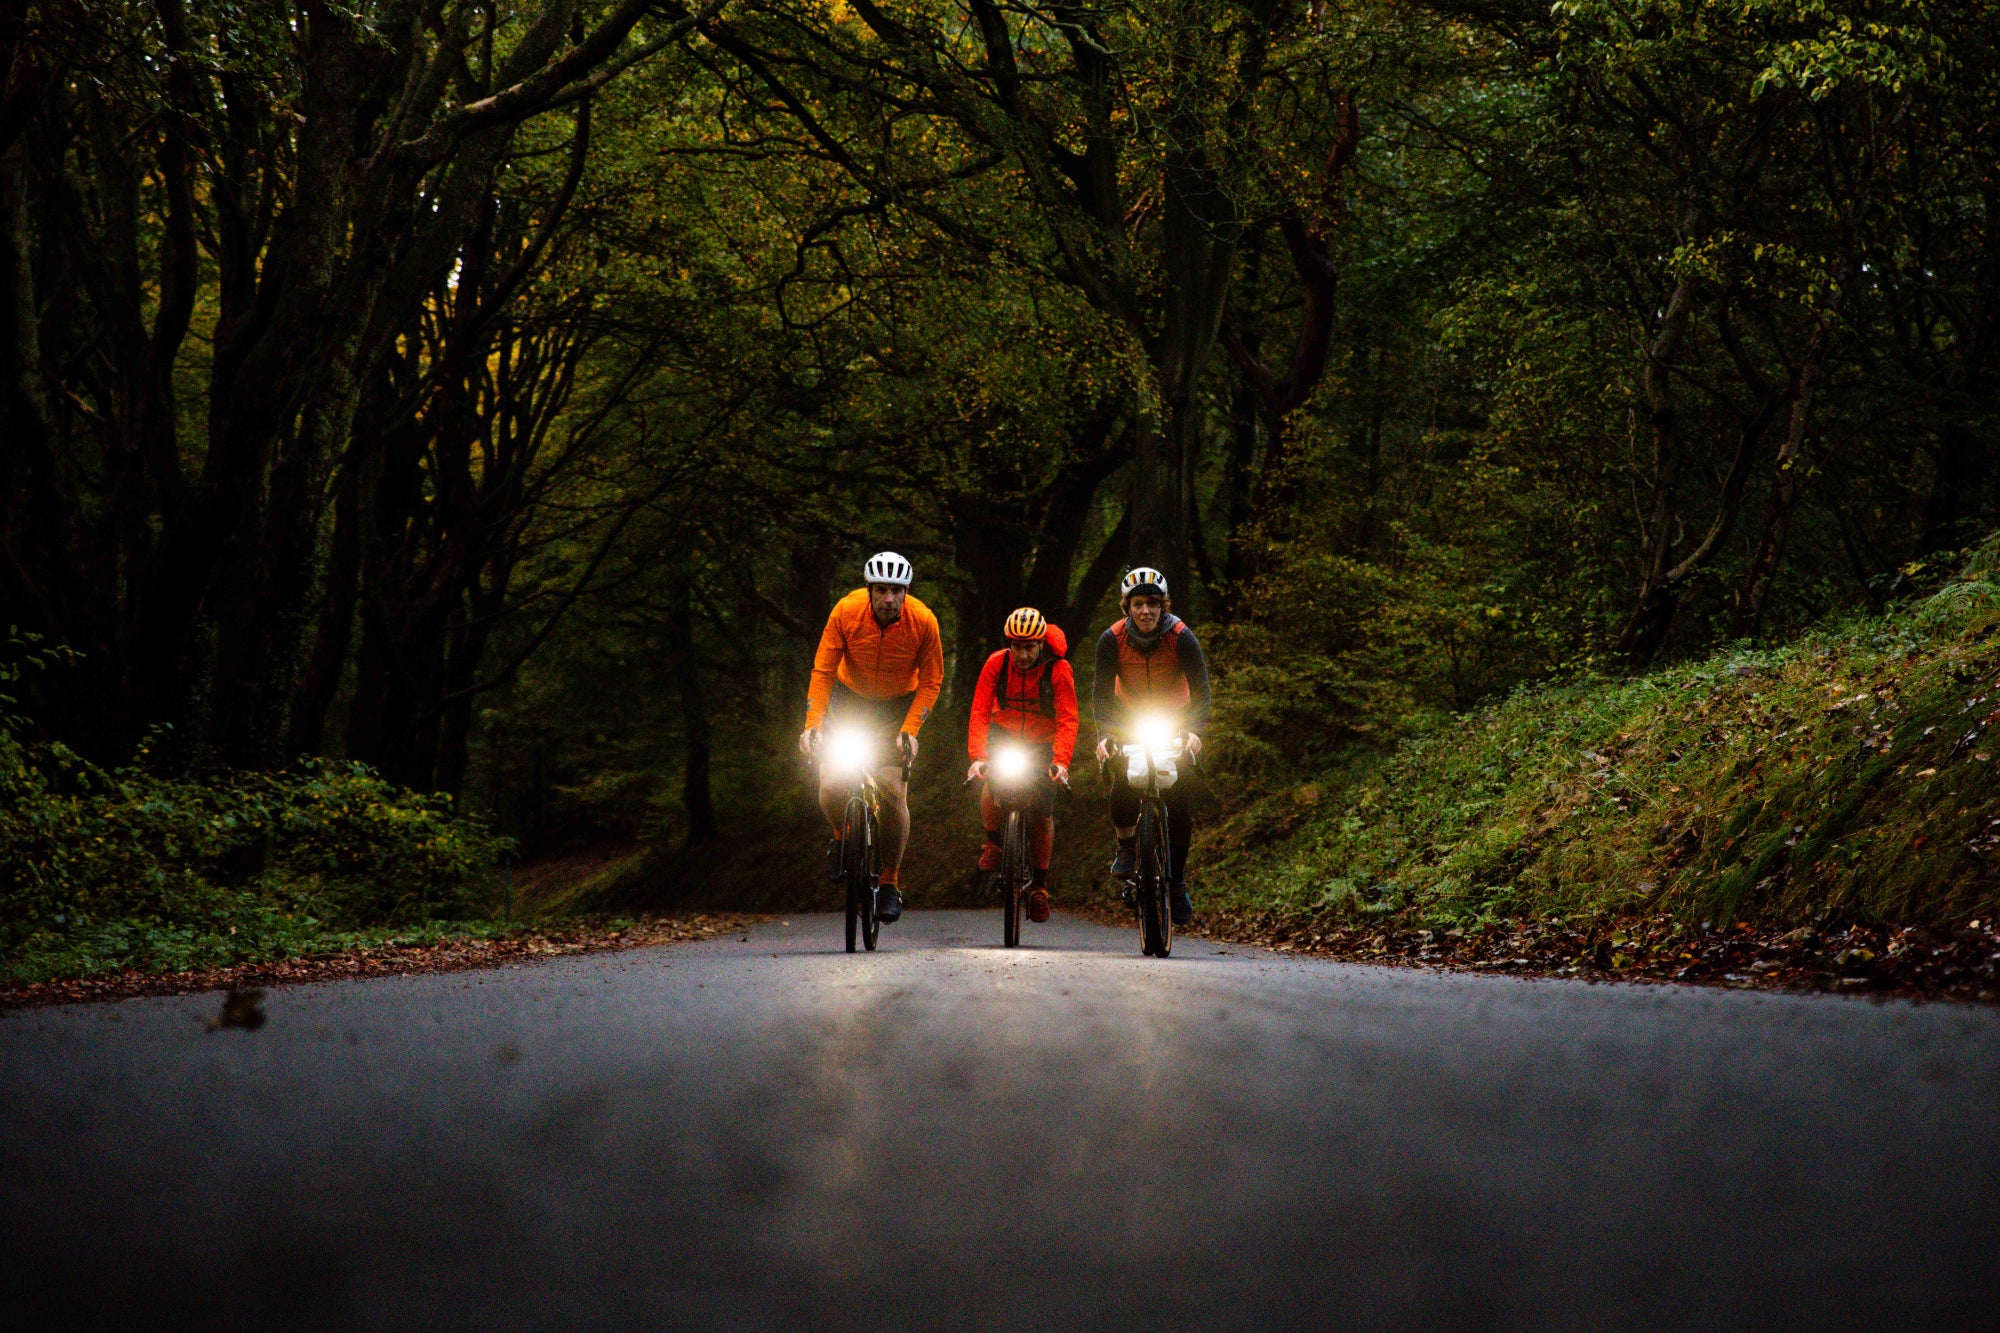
x=108 y=870
x=1844 y=780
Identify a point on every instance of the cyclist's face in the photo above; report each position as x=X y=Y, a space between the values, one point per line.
x=1026 y=652
x=1145 y=609
x=886 y=600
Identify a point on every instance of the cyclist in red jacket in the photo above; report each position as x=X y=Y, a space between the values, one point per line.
x=1026 y=690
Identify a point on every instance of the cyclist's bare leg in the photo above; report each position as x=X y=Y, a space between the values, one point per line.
x=895 y=816
x=833 y=801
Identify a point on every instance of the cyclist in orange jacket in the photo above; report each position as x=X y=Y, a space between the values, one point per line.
x=880 y=666
x=1028 y=690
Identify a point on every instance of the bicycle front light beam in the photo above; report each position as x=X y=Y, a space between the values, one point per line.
x=1155 y=733
x=849 y=752
x=1010 y=764
x=1158 y=746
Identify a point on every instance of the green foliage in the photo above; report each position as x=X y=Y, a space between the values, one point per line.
x=112 y=869
x=1848 y=774
x=792 y=288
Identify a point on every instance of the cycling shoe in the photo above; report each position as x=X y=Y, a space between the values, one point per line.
x=1121 y=864
x=888 y=904
x=833 y=867
x=1038 y=905
x=1181 y=905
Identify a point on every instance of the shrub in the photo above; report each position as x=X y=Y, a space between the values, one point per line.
x=118 y=868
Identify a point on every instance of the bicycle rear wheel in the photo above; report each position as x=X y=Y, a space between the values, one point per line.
x=1013 y=860
x=1156 y=920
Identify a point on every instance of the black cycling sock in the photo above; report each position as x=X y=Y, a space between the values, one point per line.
x=1040 y=881
x=1128 y=844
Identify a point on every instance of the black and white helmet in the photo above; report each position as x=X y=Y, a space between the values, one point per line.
x=888 y=567
x=1143 y=579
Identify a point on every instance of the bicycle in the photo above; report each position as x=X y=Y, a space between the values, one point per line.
x=1152 y=766
x=1016 y=789
x=852 y=751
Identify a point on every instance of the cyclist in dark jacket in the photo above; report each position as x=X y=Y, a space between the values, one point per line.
x=1150 y=663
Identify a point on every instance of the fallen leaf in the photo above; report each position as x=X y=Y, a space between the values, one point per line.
x=240 y=1009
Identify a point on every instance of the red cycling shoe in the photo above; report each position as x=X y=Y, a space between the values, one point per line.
x=989 y=855
x=1038 y=905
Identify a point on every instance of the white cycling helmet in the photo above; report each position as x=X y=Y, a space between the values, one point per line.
x=1143 y=579
x=888 y=567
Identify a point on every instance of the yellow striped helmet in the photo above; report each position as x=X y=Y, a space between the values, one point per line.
x=1027 y=623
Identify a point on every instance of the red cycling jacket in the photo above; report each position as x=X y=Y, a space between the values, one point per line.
x=1039 y=707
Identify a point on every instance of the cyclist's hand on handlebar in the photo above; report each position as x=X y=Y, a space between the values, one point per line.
x=906 y=745
x=1060 y=772
x=809 y=741
x=1193 y=746
x=977 y=771
x=1104 y=749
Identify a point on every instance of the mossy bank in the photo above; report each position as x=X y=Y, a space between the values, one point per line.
x=1845 y=779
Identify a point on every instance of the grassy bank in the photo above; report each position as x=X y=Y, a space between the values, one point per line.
x=1844 y=779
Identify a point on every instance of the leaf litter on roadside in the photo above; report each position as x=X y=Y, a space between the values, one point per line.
x=392 y=958
x=1960 y=963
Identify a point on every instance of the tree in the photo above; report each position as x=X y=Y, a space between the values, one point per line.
x=301 y=179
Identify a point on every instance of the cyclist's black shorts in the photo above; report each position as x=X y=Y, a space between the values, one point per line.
x=883 y=717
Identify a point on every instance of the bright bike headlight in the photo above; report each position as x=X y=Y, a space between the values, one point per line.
x=1155 y=733
x=1010 y=764
x=849 y=750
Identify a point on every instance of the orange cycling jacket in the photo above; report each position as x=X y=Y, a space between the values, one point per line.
x=1013 y=702
x=878 y=663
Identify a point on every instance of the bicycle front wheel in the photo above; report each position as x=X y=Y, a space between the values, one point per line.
x=1156 y=919
x=871 y=925
x=1013 y=863
x=853 y=859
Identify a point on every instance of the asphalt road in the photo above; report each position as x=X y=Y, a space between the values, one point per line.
x=769 y=1134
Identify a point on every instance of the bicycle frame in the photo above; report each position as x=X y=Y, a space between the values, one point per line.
x=1151 y=769
x=859 y=864
x=860 y=860
x=1017 y=795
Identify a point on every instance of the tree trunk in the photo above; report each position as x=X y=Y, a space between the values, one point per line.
x=335 y=635
x=807 y=603
x=1066 y=516
x=1653 y=614
x=1239 y=561
x=989 y=546
x=1789 y=475
x=1097 y=581
x=696 y=796
x=37 y=581
x=1960 y=505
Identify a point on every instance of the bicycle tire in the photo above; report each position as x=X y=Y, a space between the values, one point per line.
x=1156 y=922
x=1011 y=858
x=850 y=856
x=871 y=925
